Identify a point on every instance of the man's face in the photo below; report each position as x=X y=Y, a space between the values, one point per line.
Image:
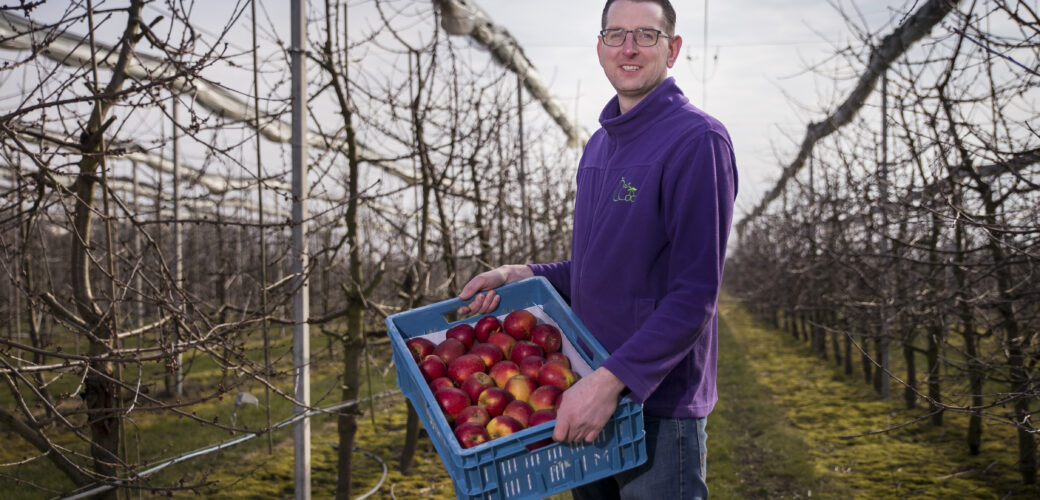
x=635 y=71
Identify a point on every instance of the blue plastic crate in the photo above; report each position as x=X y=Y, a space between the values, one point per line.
x=504 y=468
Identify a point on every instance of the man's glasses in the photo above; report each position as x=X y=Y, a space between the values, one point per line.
x=644 y=37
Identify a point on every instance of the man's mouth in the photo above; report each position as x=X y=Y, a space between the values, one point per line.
x=629 y=68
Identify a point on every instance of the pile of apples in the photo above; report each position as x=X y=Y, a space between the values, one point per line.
x=495 y=378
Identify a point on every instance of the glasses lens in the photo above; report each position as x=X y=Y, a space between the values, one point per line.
x=645 y=38
x=613 y=37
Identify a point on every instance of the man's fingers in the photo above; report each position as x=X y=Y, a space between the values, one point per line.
x=560 y=431
x=568 y=428
x=473 y=307
x=491 y=301
x=475 y=285
x=483 y=303
x=470 y=308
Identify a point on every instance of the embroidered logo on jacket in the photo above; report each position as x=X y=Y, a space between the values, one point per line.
x=624 y=192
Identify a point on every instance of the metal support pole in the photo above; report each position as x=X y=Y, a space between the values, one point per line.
x=885 y=386
x=178 y=254
x=525 y=224
x=22 y=244
x=301 y=304
x=138 y=285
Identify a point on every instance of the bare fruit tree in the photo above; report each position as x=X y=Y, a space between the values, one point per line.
x=144 y=227
x=914 y=229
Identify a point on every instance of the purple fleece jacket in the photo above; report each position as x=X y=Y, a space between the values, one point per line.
x=652 y=215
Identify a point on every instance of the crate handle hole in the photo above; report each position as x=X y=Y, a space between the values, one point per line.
x=453 y=316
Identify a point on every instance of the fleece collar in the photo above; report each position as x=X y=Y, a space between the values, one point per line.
x=661 y=101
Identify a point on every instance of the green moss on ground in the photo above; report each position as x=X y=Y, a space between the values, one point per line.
x=257 y=474
x=753 y=451
x=781 y=430
x=838 y=418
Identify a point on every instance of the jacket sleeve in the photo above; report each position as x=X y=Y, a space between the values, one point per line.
x=698 y=194
x=558 y=273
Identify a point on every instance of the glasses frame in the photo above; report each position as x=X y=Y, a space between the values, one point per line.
x=603 y=36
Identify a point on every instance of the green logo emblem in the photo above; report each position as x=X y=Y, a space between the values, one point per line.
x=624 y=192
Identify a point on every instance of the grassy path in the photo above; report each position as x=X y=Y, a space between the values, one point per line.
x=753 y=452
x=783 y=424
x=780 y=430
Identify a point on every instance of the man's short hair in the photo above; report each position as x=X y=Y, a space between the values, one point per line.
x=666 y=6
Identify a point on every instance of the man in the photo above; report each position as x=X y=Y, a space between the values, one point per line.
x=654 y=203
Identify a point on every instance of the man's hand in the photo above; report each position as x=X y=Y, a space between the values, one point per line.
x=484 y=303
x=585 y=408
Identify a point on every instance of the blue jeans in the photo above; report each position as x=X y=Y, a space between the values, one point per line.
x=675 y=467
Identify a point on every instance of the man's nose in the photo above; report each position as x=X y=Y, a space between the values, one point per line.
x=629 y=46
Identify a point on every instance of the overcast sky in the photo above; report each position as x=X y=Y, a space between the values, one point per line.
x=757 y=53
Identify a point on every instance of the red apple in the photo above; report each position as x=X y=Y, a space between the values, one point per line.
x=440 y=383
x=501 y=372
x=476 y=383
x=463 y=333
x=519 y=410
x=503 y=340
x=490 y=353
x=519 y=323
x=503 y=426
x=559 y=358
x=449 y=350
x=547 y=337
x=523 y=349
x=433 y=367
x=541 y=417
x=545 y=398
x=471 y=434
x=420 y=347
x=473 y=413
x=486 y=326
x=494 y=400
x=452 y=401
x=529 y=366
x=555 y=374
x=521 y=387
x=464 y=366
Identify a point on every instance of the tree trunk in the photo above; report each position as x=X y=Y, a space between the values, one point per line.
x=935 y=340
x=100 y=393
x=832 y=322
x=880 y=354
x=355 y=291
x=1015 y=347
x=910 y=388
x=411 y=440
x=975 y=378
x=971 y=352
x=848 y=352
x=868 y=366
x=820 y=333
x=347 y=421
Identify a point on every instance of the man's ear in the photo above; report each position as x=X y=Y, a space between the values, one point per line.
x=674 y=44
